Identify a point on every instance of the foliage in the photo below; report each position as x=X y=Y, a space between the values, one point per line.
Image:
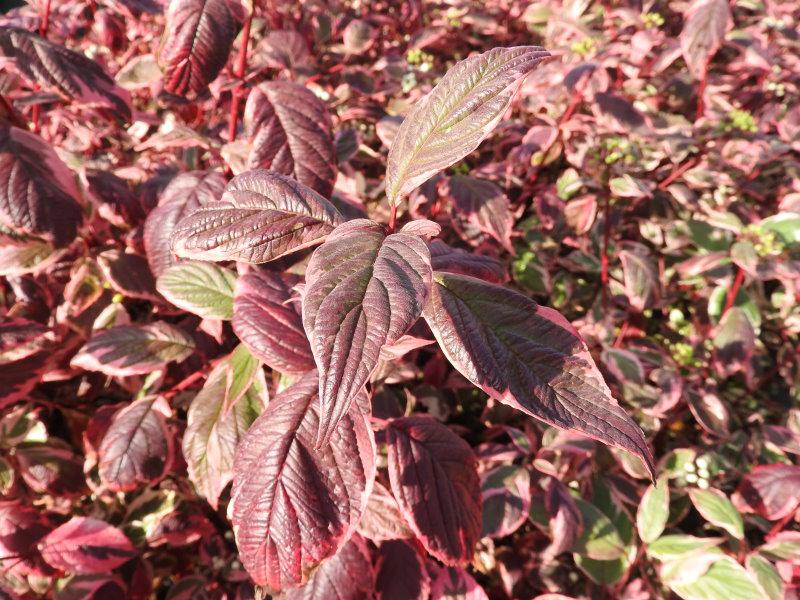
x=298 y=297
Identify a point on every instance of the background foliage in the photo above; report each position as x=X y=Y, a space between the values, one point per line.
x=645 y=183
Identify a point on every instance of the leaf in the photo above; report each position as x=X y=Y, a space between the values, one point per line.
x=382 y=519
x=217 y=420
x=39 y=193
x=21 y=527
x=295 y=504
x=715 y=508
x=348 y=575
x=566 y=523
x=85 y=545
x=134 y=349
x=456 y=260
x=529 y=357
x=71 y=74
x=640 y=276
x=129 y=274
x=766 y=576
x=268 y=322
x=398 y=557
x=200 y=35
x=734 y=342
x=364 y=290
x=434 y=477
x=653 y=512
x=137 y=449
x=724 y=580
x=669 y=547
x=262 y=216
x=51 y=468
x=291 y=133
x=600 y=539
x=484 y=205
x=703 y=33
x=505 y=500
x=456 y=115
x=202 y=288
x=92 y=587
x=184 y=194
x=452 y=583
x=769 y=490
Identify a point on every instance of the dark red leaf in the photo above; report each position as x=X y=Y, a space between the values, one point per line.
x=529 y=357
x=48 y=468
x=295 y=504
x=347 y=575
x=138 y=447
x=262 y=216
x=452 y=583
x=484 y=205
x=93 y=587
x=39 y=193
x=566 y=522
x=85 y=545
x=200 y=34
x=268 y=321
x=290 y=132
x=382 y=519
x=184 y=194
x=435 y=480
x=456 y=260
x=770 y=491
x=401 y=573
x=364 y=290
x=128 y=274
x=65 y=71
x=21 y=528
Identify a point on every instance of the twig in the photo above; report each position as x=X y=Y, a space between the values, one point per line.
x=734 y=291
x=241 y=67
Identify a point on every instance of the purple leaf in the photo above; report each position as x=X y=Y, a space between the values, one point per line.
x=456 y=260
x=452 y=583
x=137 y=449
x=364 y=290
x=703 y=33
x=290 y=132
x=506 y=500
x=128 y=274
x=456 y=116
x=268 y=322
x=434 y=477
x=184 y=194
x=401 y=573
x=39 y=193
x=485 y=206
x=21 y=527
x=295 y=504
x=348 y=575
x=382 y=519
x=200 y=34
x=48 y=468
x=262 y=216
x=70 y=73
x=770 y=491
x=529 y=357
x=85 y=545
x=565 y=523
x=640 y=276
x=134 y=349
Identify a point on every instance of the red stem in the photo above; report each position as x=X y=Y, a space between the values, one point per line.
x=393 y=218
x=241 y=67
x=734 y=291
x=677 y=173
x=701 y=90
x=45 y=24
x=604 y=255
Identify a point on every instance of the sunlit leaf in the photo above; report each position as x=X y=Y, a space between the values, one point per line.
x=86 y=545
x=653 y=512
x=202 y=288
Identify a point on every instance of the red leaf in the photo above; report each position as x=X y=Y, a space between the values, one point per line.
x=485 y=206
x=703 y=33
x=184 y=194
x=85 y=545
x=435 y=480
x=71 y=74
x=770 y=491
x=566 y=521
x=200 y=34
x=137 y=448
x=268 y=321
x=295 y=504
x=452 y=583
x=456 y=260
x=290 y=132
x=529 y=357
x=382 y=519
x=39 y=192
x=21 y=527
x=364 y=290
x=348 y=575
x=262 y=216
x=401 y=573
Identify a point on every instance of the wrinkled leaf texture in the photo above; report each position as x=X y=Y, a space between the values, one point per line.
x=200 y=34
x=268 y=322
x=70 y=73
x=262 y=216
x=202 y=288
x=434 y=477
x=295 y=504
x=134 y=349
x=364 y=290
x=39 y=192
x=137 y=449
x=85 y=545
x=456 y=116
x=529 y=357
x=290 y=133
x=185 y=193
x=456 y=260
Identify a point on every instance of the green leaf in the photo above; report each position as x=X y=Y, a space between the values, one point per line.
x=766 y=575
x=785 y=224
x=600 y=539
x=651 y=518
x=715 y=508
x=725 y=580
x=606 y=572
x=783 y=546
x=202 y=288
x=672 y=546
x=242 y=368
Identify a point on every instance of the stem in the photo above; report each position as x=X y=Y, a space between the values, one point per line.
x=393 y=218
x=677 y=173
x=241 y=67
x=734 y=291
x=45 y=24
x=604 y=255
x=701 y=91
